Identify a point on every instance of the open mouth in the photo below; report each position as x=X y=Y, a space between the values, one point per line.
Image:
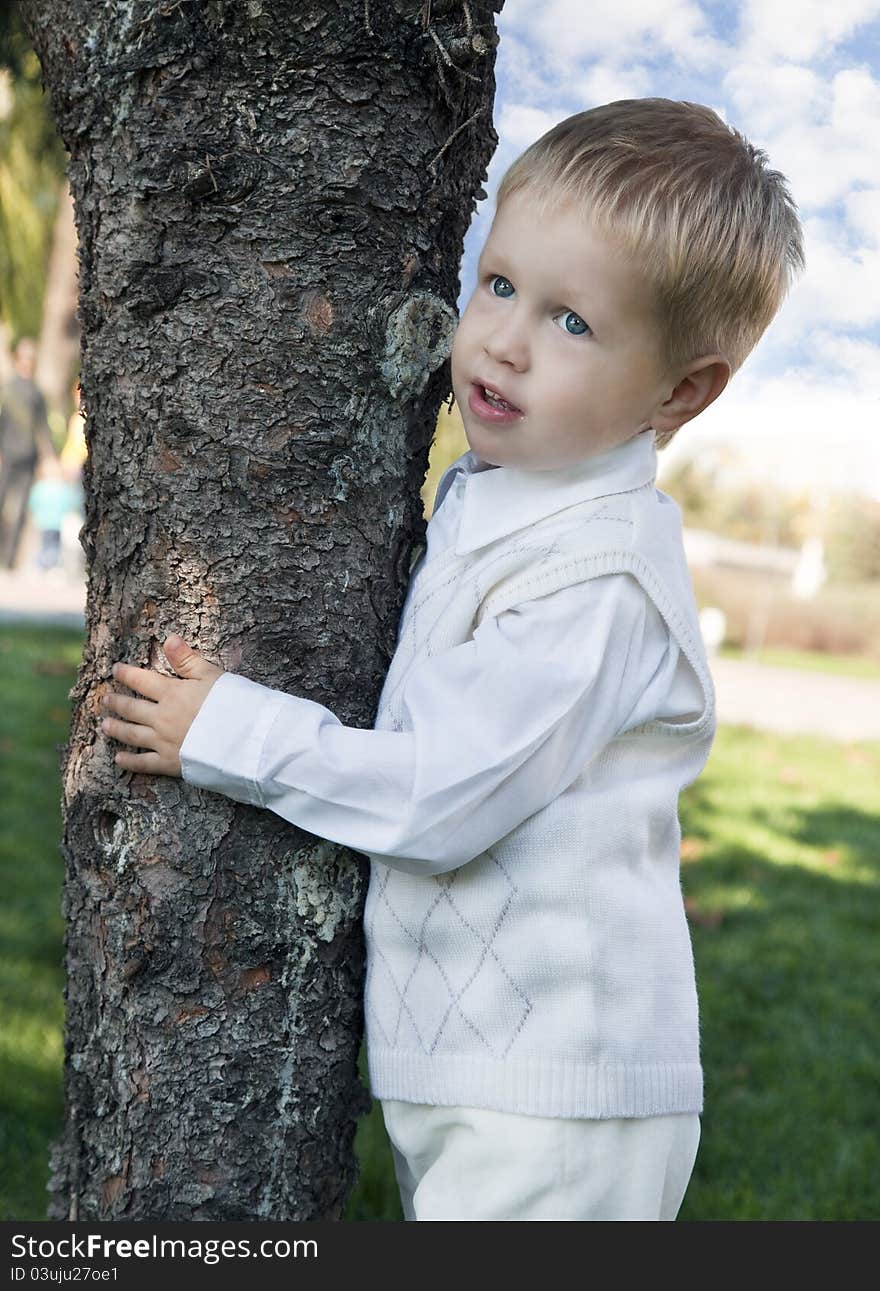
x=489 y=405
x=496 y=401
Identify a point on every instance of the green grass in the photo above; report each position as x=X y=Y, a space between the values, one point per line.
x=781 y=845
x=847 y=665
x=37 y=669
x=783 y=841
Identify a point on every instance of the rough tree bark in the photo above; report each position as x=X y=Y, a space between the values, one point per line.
x=271 y=201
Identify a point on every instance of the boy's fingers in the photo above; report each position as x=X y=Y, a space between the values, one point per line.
x=137 y=710
x=146 y=763
x=140 y=737
x=143 y=680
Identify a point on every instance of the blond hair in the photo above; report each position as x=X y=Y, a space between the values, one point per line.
x=715 y=230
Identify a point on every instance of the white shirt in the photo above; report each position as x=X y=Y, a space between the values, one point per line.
x=500 y=724
x=526 y=942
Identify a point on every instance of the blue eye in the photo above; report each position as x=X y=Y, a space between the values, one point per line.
x=582 y=327
x=580 y=322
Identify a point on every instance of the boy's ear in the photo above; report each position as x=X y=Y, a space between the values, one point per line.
x=700 y=384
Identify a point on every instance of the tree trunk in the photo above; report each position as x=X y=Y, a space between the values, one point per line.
x=271 y=202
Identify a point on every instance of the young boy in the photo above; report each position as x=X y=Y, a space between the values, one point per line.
x=530 y=1003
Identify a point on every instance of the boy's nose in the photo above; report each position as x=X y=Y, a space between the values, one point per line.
x=508 y=344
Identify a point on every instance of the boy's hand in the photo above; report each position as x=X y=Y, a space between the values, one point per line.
x=160 y=722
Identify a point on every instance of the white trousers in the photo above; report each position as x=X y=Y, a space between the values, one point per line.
x=473 y=1163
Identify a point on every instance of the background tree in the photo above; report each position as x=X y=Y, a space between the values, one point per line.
x=32 y=188
x=271 y=202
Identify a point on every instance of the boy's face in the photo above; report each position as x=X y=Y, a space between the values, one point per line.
x=559 y=324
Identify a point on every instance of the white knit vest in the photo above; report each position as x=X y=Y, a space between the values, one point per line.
x=552 y=975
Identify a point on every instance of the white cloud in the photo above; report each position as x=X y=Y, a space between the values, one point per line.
x=863 y=213
x=770 y=96
x=801 y=29
x=518 y=125
x=569 y=30
x=821 y=167
x=822 y=133
x=840 y=287
x=605 y=83
x=520 y=68
x=858 y=362
x=855 y=103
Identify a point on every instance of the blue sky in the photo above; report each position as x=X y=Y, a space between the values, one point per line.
x=801 y=79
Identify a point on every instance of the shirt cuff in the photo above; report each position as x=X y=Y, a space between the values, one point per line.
x=222 y=747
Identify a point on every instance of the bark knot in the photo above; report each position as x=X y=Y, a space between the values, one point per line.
x=418 y=338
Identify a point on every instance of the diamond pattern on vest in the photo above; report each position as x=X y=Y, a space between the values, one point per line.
x=454 y=973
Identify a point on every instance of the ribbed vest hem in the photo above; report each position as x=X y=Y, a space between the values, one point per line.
x=535 y=1086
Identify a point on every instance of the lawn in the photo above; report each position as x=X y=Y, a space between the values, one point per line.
x=781 y=845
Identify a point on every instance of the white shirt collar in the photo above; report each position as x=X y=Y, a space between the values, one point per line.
x=499 y=500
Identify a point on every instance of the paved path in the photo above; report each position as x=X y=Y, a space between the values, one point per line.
x=794 y=700
x=45 y=596
x=786 y=700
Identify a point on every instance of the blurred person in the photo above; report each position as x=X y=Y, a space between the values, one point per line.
x=56 y=495
x=25 y=438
